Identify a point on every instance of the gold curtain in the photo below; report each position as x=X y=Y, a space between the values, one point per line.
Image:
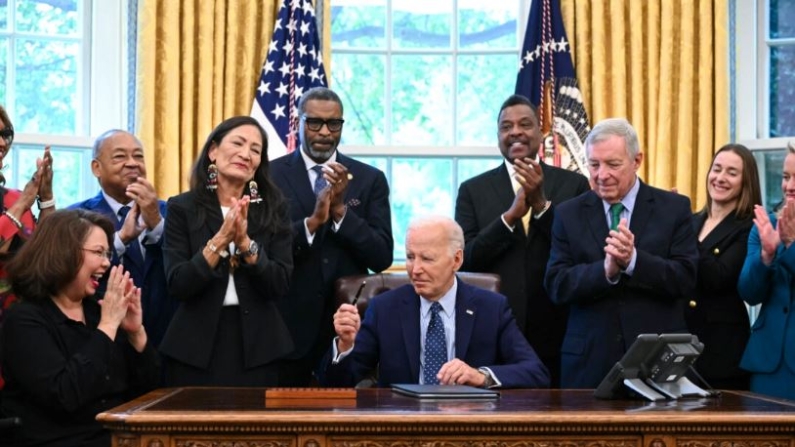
x=199 y=62
x=662 y=64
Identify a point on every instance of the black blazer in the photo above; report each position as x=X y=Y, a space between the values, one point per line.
x=364 y=242
x=519 y=259
x=605 y=318
x=201 y=290
x=716 y=313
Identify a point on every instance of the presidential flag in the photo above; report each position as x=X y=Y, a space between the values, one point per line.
x=546 y=76
x=294 y=64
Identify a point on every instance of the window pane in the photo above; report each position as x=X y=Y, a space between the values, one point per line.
x=489 y=24
x=363 y=102
x=72 y=177
x=4 y=15
x=361 y=26
x=379 y=163
x=421 y=100
x=420 y=186
x=470 y=167
x=46 y=86
x=482 y=86
x=771 y=166
x=782 y=91
x=3 y=70
x=47 y=17
x=422 y=23
x=781 y=23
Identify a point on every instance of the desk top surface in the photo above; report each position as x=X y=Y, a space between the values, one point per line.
x=563 y=407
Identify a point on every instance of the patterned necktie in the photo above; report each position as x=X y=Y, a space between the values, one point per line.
x=435 y=347
x=615 y=214
x=133 y=248
x=320 y=181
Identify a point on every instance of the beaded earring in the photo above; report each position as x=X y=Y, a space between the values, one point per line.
x=254 y=192
x=212 y=176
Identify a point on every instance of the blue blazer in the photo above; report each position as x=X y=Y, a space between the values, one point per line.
x=773 y=333
x=158 y=306
x=364 y=242
x=605 y=319
x=486 y=334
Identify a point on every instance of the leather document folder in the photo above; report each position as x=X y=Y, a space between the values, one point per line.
x=444 y=391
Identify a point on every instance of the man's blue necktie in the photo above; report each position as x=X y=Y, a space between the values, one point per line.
x=320 y=181
x=615 y=215
x=133 y=251
x=435 y=347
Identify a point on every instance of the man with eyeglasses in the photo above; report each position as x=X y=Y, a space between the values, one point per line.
x=339 y=208
x=129 y=199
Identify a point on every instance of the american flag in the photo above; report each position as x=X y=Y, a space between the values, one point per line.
x=546 y=76
x=294 y=64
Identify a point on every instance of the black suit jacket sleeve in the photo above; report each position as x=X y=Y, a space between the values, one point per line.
x=483 y=246
x=368 y=238
x=189 y=275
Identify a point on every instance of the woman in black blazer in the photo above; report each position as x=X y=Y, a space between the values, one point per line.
x=228 y=258
x=717 y=314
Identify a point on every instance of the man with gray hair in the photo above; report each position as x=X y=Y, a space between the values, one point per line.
x=438 y=330
x=129 y=199
x=623 y=257
x=341 y=221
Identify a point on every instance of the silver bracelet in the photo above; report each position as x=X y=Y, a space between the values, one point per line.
x=13 y=218
x=44 y=204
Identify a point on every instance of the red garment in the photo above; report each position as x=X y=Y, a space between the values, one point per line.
x=9 y=230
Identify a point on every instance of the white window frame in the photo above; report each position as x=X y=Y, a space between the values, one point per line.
x=751 y=73
x=103 y=92
x=392 y=151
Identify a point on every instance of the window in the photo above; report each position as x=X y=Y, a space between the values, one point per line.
x=421 y=83
x=56 y=90
x=765 y=120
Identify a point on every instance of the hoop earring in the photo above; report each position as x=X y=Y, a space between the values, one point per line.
x=212 y=176
x=254 y=192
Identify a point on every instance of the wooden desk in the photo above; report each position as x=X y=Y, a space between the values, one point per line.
x=235 y=417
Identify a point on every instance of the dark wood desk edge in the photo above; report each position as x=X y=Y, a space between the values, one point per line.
x=139 y=404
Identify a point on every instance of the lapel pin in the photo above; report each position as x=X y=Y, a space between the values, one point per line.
x=470 y=312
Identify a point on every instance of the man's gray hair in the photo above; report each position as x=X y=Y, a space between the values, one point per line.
x=455 y=235
x=618 y=127
x=318 y=94
x=97 y=148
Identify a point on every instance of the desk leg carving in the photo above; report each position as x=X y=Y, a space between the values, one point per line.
x=125 y=440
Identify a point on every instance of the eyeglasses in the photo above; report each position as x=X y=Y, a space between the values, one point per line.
x=7 y=134
x=315 y=124
x=107 y=254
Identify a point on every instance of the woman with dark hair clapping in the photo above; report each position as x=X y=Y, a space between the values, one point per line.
x=228 y=258
x=67 y=358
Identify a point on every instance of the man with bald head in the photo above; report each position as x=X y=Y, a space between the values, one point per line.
x=437 y=330
x=129 y=199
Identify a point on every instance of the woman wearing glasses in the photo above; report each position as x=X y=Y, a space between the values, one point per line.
x=67 y=358
x=228 y=257
x=16 y=220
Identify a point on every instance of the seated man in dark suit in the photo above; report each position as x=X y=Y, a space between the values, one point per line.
x=438 y=330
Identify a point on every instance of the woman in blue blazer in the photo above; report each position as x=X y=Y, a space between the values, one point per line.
x=767 y=279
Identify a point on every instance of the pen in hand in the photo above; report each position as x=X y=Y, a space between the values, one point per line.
x=359 y=293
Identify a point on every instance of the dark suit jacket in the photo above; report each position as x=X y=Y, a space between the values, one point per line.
x=519 y=259
x=201 y=290
x=364 y=241
x=719 y=316
x=486 y=335
x=158 y=306
x=771 y=345
x=604 y=319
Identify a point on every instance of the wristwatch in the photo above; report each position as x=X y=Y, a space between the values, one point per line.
x=489 y=382
x=253 y=249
